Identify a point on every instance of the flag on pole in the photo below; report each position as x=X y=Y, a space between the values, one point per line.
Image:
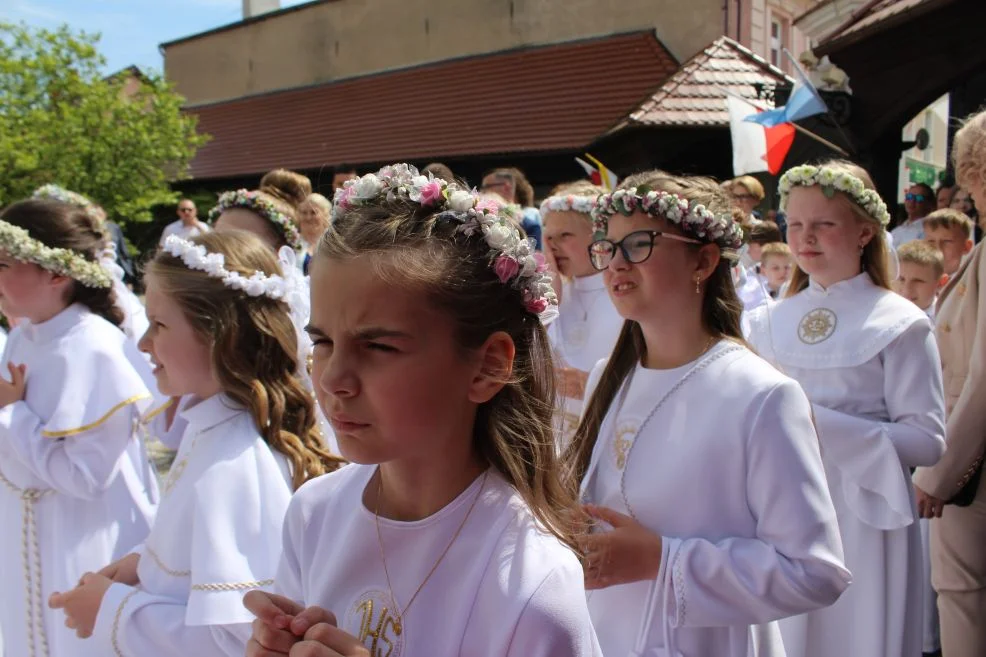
x=803 y=102
x=756 y=147
x=598 y=172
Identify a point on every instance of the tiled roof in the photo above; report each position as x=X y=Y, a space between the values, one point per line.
x=884 y=12
x=696 y=94
x=542 y=99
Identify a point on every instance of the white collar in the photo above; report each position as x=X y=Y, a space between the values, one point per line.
x=208 y=413
x=57 y=326
x=589 y=283
x=857 y=283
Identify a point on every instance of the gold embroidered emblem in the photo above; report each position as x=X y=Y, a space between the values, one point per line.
x=374 y=623
x=624 y=439
x=817 y=326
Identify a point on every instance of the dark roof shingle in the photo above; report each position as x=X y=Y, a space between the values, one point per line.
x=696 y=95
x=543 y=99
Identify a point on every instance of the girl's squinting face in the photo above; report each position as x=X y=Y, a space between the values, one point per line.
x=181 y=358
x=386 y=369
x=568 y=236
x=651 y=288
x=28 y=291
x=825 y=235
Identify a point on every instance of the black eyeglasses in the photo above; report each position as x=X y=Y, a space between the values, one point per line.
x=635 y=247
x=920 y=198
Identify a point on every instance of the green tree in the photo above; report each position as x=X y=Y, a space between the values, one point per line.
x=120 y=140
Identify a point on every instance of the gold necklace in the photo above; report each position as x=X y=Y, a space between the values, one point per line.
x=399 y=625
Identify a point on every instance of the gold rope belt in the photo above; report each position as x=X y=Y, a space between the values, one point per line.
x=31 y=555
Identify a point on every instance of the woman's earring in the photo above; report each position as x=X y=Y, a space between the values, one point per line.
x=698 y=285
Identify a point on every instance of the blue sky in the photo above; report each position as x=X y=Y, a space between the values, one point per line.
x=131 y=29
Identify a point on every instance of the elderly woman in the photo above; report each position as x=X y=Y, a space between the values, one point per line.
x=313 y=220
x=953 y=491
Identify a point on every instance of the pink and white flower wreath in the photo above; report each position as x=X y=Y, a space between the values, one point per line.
x=512 y=257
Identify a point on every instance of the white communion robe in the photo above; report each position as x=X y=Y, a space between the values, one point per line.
x=76 y=488
x=217 y=536
x=584 y=332
x=868 y=361
x=727 y=471
x=505 y=587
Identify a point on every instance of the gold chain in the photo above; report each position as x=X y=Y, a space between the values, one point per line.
x=31 y=557
x=399 y=626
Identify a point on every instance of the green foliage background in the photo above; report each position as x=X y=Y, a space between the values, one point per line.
x=119 y=140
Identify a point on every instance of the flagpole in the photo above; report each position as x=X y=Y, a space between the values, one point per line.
x=808 y=133
x=805 y=131
x=828 y=111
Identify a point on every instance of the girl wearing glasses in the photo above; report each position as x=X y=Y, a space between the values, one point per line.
x=697 y=460
x=868 y=362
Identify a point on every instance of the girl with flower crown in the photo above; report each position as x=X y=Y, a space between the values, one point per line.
x=76 y=487
x=134 y=317
x=587 y=324
x=452 y=533
x=868 y=362
x=697 y=460
x=222 y=338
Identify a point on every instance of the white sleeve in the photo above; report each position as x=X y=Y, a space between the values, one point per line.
x=288 y=581
x=795 y=562
x=133 y=623
x=555 y=621
x=81 y=465
x=871 y=454
x=164 y=234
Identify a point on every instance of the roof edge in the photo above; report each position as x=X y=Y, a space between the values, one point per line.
x=839 y=39
x=243 y=22
x=411 y=67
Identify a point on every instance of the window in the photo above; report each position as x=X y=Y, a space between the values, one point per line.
x=776 y=41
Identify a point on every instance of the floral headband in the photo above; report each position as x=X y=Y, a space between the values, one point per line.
x=833 y=180
x=256 y=202
x=259 y=284
x=513 y=258
x=694 y=219
x=17 y=243
x=58 y=193
x=568 y=203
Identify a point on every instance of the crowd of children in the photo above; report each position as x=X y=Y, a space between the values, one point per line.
x=404 y=428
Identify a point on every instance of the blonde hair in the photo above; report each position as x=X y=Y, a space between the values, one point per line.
x=416 y=248
x=969 y=152
x=583 y=188
x=254 y=347
x=950 y=219
x=875 y=260
x=774 y=249
x=752 y=185
x=721 y=311
x=288 y=186
x=318 y=201
x=918 y=252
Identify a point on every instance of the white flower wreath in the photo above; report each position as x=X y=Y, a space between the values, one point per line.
x=568 y=203
x=195 y=256
x=831 y=181
x=17 y=243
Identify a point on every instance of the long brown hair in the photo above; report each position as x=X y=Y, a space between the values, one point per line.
x=415 y=248
x=721 y=311
x=62 y=226
x=874 y=260
x=253 y=347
